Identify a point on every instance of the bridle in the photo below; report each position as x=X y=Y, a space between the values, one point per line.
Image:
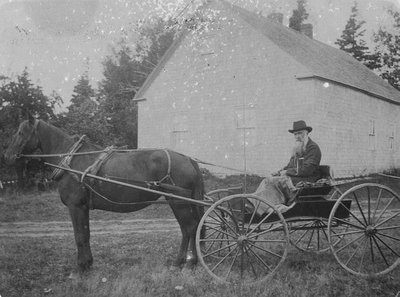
x=33 y=134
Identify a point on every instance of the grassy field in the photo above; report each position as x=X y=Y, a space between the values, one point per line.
x=140 y=264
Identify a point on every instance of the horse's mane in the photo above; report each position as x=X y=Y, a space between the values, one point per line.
x=60 y=132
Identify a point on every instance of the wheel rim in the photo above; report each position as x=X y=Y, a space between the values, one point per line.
x=238 y=245
x=371 y=243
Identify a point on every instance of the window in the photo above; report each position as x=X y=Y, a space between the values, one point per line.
x=391 y=137
x=179 y=131
x=371 y=135
x=245 y=121
x=245 y=117
x=372 y=128
x=206 y=45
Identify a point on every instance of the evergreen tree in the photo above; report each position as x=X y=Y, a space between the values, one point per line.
x=387 y=50
x=22 y=94
x=82 y=93
x=124 y=73
x=299 y=16
x=351 y=40
x=83 y=116
x=17 y=97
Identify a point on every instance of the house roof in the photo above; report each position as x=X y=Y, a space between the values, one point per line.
x=323 y=61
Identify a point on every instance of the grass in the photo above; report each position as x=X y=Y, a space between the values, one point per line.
x=140 y=264
x=137 y=266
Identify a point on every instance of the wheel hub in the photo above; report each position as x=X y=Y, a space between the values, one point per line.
x=241 y=240
x=370 y=231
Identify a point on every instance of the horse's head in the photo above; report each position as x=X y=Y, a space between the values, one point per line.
x=25 y=141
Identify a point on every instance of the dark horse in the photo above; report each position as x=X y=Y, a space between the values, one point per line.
x=135 y=165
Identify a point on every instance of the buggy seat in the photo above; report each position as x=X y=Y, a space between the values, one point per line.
x=319 y=188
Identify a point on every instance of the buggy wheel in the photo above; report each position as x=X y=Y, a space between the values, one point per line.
x=239 y=244
x=310 y=235
x=218 y=194
x=370 y=245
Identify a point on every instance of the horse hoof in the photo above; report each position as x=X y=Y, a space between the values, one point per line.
x=174 y=268
x=74 y=276
x=178 y=263
x=189 y=265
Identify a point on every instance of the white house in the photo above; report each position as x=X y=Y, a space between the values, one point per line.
x=228 y=92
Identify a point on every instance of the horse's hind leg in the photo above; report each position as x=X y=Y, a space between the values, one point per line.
x=188 y=224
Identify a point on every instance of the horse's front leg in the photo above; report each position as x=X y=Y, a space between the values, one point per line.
x=75 y=198
x=80 y=221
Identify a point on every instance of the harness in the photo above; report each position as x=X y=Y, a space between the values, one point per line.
x=103 y=158
x=66 y=161
x=94 y=168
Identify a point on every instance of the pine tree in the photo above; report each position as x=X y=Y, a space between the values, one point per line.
x=387 y=50
x=124 y=73
x=83 y=116
x=17 y=97
x=82 y=92
x=299 y=16
x=351 y=39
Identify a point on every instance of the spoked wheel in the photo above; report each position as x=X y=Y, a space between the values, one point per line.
x=310 y=235
x=218 y=194
x=241 y=244
x=370 y=245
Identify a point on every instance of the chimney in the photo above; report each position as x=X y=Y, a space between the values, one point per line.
x=276 y=17
x=307 y=29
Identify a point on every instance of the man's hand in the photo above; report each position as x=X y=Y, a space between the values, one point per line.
x=279 y=173
x=284 y=208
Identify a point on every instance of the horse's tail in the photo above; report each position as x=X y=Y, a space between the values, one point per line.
x=198 y=194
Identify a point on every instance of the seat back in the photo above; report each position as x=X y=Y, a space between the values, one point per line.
x=325 y=172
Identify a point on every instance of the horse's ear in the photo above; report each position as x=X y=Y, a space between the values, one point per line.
x=31 y=118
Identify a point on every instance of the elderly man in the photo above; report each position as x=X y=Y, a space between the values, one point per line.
x=302 y=167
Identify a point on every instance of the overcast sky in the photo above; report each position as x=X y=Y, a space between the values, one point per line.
x=57 y=40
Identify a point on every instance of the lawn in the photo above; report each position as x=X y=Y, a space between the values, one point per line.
x=138 y=264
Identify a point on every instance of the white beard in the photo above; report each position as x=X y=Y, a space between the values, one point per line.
x=298 y=148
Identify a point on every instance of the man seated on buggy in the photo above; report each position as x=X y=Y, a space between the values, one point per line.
x=303 y=167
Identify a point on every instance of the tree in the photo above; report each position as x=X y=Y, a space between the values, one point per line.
x=299 y=16
x=83 y=116
x=22 y=94
x=18 y=97
x=82 y=93
x=124 y=73
x=351 y=40
x=387 y=50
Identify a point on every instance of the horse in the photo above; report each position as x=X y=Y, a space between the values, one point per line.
x=140 y=166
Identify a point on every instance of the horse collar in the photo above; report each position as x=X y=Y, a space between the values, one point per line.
x=57 y=173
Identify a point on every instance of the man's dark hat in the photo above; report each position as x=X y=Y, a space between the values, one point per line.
x=300 y=125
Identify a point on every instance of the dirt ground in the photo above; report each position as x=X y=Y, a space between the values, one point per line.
x=64 y=228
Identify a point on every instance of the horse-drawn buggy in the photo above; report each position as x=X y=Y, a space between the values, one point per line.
x=223 y=229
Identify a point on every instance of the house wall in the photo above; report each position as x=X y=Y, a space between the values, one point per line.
x=346 y=119
x=230 y=85
x=196 y=104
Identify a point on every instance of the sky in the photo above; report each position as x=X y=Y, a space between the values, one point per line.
x=58 y=40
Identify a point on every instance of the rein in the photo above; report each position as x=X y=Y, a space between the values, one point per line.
x=388 y=175
x=68 y=154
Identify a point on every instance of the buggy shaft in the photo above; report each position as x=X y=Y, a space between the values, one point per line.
x=200 y=202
